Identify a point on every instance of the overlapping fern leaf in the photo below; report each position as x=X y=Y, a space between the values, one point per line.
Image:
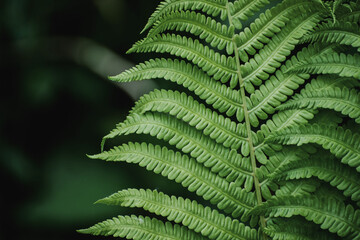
x=263 y=126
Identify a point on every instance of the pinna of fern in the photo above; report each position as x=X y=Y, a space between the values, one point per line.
x=263 y=125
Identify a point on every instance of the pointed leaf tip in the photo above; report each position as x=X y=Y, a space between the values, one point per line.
x=95 y=156
x=111 y=78
x=131 y=50
x=102 y=201
x=84 y=231
x=102 y=145
x=144 y=29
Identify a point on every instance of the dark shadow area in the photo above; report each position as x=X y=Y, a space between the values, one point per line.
x=57 y=105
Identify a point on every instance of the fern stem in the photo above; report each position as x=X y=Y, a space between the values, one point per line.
x=248 y=126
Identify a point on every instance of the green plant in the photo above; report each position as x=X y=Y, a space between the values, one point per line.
x=265 y=126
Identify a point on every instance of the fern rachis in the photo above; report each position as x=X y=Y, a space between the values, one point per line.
x=266 y=130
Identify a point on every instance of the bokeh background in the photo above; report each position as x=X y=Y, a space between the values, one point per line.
x=56 y=106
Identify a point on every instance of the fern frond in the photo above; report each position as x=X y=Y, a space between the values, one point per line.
x=342 y=100
x=327 y=212
x=203 y=220
x=271 y=164
x=242 y=10
x=139 y=228
x=346 y=33
x=272 y=93
x=276 y=160
x=228 y=163
x=192 y=175
x=210 y=7
x=281 y=120
x=184 y=107
x=216 y=34
x=220 y=67
x=338 y=175
x=273 y=54
x=284 y=119
x=326 y=82
x=275 y=90
x=283 y=157
x=297 y=188
x=327 y=117
x=221 y=97
x=269 y=24
x=316 y=49
x=326 y=190
x=342 y=143
x=341 y=64
x=247 y=96
x=352 y=13
x=294 y=229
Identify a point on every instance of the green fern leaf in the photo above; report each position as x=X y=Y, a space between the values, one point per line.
x=346 y=33
x=184 y=107
x=326 y=190
x=273 y=54
x=196 y=217
x=286 y=119
x=255 y=76
x=327 y=82
x=272 y=94
x=224 y=99
x=351 y=12
x=241 y=10
x=279 y=121
x=139 y=228
x=342 y=143
x=332 y=171
x=327 y=212
x=342 y=100
x=327 y=117
x=268 y=24
x=189 y=173
x=219 y=66
x=297 y=188
x=212 y=7
x=216 y=34
x=284 y=229
x=228 y=163
x=341 y=64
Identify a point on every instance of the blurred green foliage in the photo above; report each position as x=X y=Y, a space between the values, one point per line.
x=56 y=107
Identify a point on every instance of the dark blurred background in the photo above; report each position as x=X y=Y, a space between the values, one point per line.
x=57 y=105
